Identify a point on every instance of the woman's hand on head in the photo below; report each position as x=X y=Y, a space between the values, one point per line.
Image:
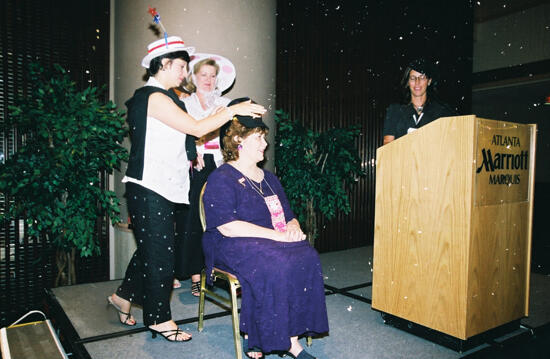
x=247 y=108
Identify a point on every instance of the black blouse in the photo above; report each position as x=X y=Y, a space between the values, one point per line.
x=399 y=117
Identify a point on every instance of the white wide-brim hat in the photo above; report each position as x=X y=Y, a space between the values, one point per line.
x=227 y=73
x=162 y=47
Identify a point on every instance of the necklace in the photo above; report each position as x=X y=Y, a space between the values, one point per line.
x=259 y=189
x=420 y=107
x=418 y=110
x=256 y=188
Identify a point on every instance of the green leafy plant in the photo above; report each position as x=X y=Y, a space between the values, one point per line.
x=316 y=169
x=69 y=138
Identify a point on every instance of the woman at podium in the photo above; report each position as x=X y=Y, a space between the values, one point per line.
x=420 y=105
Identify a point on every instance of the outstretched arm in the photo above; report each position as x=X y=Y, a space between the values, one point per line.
x=165 y=110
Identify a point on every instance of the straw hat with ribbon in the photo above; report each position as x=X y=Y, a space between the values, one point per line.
x=165 y=46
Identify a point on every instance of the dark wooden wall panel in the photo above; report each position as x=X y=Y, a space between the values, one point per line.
x=340 y=63
x=74 y=34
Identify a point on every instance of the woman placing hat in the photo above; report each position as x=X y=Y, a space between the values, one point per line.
x=156 y=180
x=210 y=76
x=420 y=106
x=252 y=232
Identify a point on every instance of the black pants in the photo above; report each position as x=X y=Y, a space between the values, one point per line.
x=190 y=257
x=149 y=276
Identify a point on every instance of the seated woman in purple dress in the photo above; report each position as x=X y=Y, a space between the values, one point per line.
x=252 y=233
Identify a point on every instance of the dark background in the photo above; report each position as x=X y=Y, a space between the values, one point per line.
x=340 y=64
x=74 y=34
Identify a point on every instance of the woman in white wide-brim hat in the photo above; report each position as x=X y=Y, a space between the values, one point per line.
x=211 y=75
x=157 y=181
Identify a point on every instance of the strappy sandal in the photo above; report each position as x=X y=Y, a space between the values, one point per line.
x=167 y=334
x=248 y=350
x=303 y=355
x=117 y=308
x=196 y=288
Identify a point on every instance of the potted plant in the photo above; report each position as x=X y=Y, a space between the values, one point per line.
x=69 y=138
x=316 y=169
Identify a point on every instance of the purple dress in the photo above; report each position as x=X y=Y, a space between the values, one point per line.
x=282 y=283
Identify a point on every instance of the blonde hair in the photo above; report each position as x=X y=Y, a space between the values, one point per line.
x=189 y=85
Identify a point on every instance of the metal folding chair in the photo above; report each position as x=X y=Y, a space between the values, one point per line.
x=231 y=302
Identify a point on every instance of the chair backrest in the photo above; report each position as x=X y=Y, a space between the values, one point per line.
x=201 y=209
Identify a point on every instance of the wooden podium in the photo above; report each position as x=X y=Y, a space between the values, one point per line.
x=452 y=241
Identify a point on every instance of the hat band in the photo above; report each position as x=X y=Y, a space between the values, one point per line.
x=165 y=44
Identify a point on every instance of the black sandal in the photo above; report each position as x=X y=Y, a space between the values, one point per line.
x=169 y=334
x=117 y=308
x=196 y=288
x=248 y=350
x=303 y=355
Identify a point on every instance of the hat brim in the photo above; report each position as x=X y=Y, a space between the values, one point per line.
x=147 y=59
x=227 y=73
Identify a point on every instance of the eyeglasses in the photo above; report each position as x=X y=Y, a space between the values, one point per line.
x=420 y=78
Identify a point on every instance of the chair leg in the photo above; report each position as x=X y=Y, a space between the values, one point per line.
x=201 y=300
x=235 y=318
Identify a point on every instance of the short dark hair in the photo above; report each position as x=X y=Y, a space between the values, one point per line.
x=156 y=63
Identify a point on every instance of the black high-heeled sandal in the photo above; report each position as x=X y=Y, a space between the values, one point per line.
x=117 y=308
x=196 y=288
x=303 y=355
x=173 y=333
x=248 y=350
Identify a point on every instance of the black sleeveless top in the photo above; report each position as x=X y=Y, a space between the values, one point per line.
x=137 y=121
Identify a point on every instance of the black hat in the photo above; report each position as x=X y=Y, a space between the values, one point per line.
x=246 y=121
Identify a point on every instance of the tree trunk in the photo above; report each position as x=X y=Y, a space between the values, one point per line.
x=66 y=273
x=72 y=266
x=311 y=223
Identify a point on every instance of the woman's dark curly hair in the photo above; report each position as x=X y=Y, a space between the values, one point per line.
x=236 y=129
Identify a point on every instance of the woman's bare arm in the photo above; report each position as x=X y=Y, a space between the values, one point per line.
x=165 y=110
x=247 y=229
x=388 y=139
